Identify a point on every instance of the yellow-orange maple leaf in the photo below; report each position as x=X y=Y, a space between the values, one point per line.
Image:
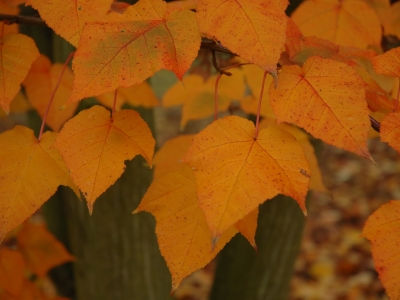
x=39 y=86
x=198 y=95
x=235 y=172
x=131 y=49
x=168 y=158
x=388 y=63
x=248 y=227
x=17 y=53
x=327 y=99
x=137 y=95
x=184 y=238
x=30 y=172
x=7 y=8
x=68 y=18
x=11 y=271
x=382 y=229
x=390 y=130
x=94 y=147
x=41 y=250
x=253 y=29
x=345 y=22
x=316 y=182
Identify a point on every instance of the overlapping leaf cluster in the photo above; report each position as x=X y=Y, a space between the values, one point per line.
x=329 y=80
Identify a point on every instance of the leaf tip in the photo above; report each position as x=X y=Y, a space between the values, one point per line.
x=137 y=210
x=90 y=208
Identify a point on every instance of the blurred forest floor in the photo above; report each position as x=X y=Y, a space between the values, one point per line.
x=334 y=261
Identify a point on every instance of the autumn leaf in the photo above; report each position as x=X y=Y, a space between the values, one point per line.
x=137 y=95
x=128 y=51
x=253 y=29
x=182 y=4
x=327 y=99
x=18 y=105
x=184 y=238
x=8 y=9
x=40 y=84
x=383 y=11
x=390 y=130
x=382 y=230
x=30 y=173
x=168 y=158
x=11 y=271
x=388 y=63
x=316 y=182
x=68 y=18
x=344 y=22
x=198 y=95
x=18 y=52
x=395 y=20
x=96 y=161
x=248 y=227
x=235 y=172
x=41 y=250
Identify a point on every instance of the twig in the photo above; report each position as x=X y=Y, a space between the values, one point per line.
x=215 y=64
x=375 y=124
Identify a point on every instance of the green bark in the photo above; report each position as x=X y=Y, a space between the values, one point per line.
x=245 y=274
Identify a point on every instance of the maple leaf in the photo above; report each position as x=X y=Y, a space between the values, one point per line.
x=30 y=173
x=383 y=11
x=137 y=95
x=198 y=95
x=329 y=106
x=388 y=63
x=6 y=8
x=11 y=271
x=235 y=172
x=253 y=29
x=97 y=161
x=339 y=21
x=17 y=53
x=41 y=250
x=316 y=182
x=182 y=4
x=382 y=230
x=184 y=238
x=143 y=41
x=390 y=130
x=18 y=105
x=395 y=19
x=248 y=227
x=168 y=158
x=39 y=85
x=68 y=18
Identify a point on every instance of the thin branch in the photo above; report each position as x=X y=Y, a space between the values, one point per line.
x=18 y=19
x=375 y=124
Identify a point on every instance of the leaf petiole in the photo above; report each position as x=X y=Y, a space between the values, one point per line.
x=53 y=94
x=259 y=105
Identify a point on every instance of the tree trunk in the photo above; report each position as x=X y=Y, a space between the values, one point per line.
x=244 y=274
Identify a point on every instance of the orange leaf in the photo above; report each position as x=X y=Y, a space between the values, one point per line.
x=390 y=130
x=184 y=238
x=18 y=105
x=198 y=95
x=395 y=20
x=18 y=52
x=137 y=95
x=344 y=22
x=113 y=54
x=382 y=229
x=388 y=63
x=39 y=86
x=94 y=147
x=236 y=172
x=253 y=29
x=326 y=98
x=382 y=9
x=11 y=271
x=316 y=182
x=42 y=251
x=168 y=158
x=248 y=226
x=8 y=9
x=182 y=4
x=30 y=173
x=68 y=18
